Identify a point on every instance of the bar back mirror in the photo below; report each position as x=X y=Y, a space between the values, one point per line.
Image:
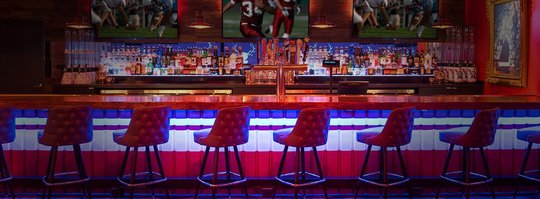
x=508 y=42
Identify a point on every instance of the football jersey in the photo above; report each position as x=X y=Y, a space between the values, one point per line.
x=287 y=3
x=251 y=14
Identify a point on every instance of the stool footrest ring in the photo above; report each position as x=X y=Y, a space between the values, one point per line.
x=226 y=184
x=365 y=176
x=146 y=183
x=473 y=174
x=68 y=182
x=282 y=179
x=6 y=179
x=524 y=175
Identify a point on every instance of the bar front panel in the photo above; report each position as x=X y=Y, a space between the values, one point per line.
x=341 y=156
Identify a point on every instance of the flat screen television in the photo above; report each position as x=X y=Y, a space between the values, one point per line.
x=144 y=19
x=265 y=18
x=395 y=19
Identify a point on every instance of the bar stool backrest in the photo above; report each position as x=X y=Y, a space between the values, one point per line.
x=398 y=128
x=148 y=126
x=7 y=124
x=68 y=125
x=482 y=130
x=311 y=128
x=232 y=126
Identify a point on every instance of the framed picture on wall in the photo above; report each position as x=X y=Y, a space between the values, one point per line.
x=135 y=19
x=508 y=42
x=395 y=19
x=265 y=18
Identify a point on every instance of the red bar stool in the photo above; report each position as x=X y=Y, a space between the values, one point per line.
x=148 y=127
x=480 y=134
x=395 y=133
x=230 y=129
x=7 y=135
x=67 y=126
x=310 y=130
x=532 y=136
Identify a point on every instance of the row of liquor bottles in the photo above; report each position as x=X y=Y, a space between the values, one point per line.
x=382 y=61
x=171 y=60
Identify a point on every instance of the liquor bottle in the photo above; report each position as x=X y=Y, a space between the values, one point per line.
x=215 y=63
x=428 y=62
x=421 y=63
x=221 y=60
x=226 y=62
x=239 y=61
x=232 y=61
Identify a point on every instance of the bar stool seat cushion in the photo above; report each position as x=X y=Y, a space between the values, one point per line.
x=7 y=124
x=529 y=134
x=449 y=135
x=68 y=125
x=148 y=126
x=365 y=135
x=204 y=138
x=281 y=136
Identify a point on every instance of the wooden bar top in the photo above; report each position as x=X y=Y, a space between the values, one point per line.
x=212 y=102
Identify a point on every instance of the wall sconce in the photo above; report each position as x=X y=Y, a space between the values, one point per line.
x=322 y=22
x=199 y=22
x=78 y=24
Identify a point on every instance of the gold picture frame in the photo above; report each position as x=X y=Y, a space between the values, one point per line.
x=508 y=33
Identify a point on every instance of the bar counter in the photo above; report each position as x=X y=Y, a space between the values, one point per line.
x=271 y=102
x=341 y=157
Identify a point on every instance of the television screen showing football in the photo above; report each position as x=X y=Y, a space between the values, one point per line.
x=265 y=18
x=135 y=18
x=395 y=18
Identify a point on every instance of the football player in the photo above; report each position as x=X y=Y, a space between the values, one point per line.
x=381 y=5
x=362 y=13
x=285 y=14
x=252 y=15
x=161 y=11
x=118 y=5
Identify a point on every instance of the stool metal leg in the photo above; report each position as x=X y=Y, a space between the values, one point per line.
x=133 y=170
x=50 y=171
x=280 y=168
x=240 y=170
x=486 y=169
x=445 y=168
x=215 y=177
x=149 y=167
x=303 y=161
x=297 y=172
x=384 y=160
x=161 y=170
x=122 y=169
x=81 y=168
x=6 y=172
x=400 y=156
x=466 y=172
x=524 y=165
x=201 y=172
x=319 y=169
x=363 y=170
x=227 y=169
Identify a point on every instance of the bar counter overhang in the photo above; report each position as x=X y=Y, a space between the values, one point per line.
x=341 y=157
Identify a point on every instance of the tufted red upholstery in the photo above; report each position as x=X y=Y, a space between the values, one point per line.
x=396 y=132
x=231 y=128
x=7 y=124
x=529 y=134
x=148 y=126
x=67 y=125
x=480 y=134
x=311 y=129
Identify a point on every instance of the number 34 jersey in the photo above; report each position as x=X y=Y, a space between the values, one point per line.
x=251 y=14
